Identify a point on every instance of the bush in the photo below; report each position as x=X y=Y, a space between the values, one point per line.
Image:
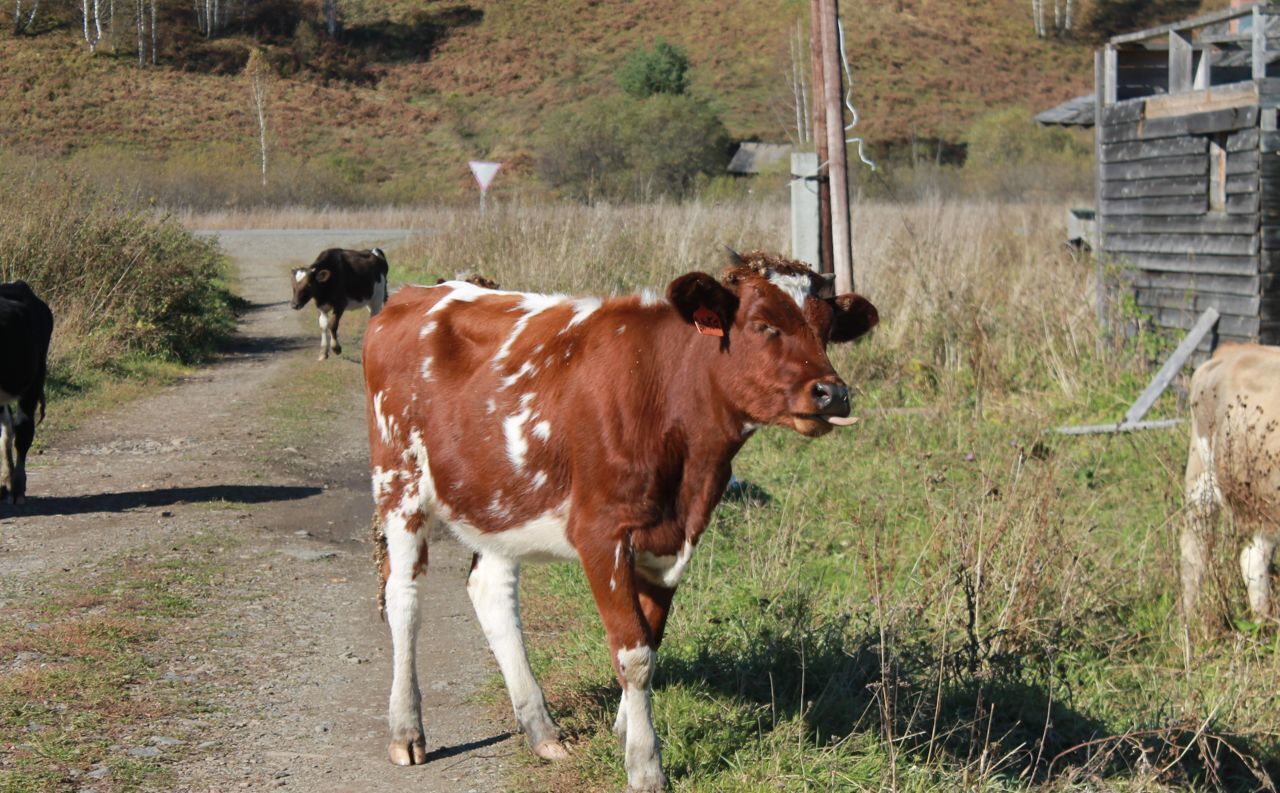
x=661 y=70
x=120 y=279
x=628 y=149
x=1010 y=155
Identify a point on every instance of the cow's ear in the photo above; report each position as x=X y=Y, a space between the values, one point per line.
x=323 y=275
x=853 y=316
x=703 y=302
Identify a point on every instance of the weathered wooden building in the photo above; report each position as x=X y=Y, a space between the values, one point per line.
x=1189 y=170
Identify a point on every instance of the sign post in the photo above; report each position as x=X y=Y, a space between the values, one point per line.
x=484 y=173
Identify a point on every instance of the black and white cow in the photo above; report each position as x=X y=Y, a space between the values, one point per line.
x=26 y=325
x=338 y=280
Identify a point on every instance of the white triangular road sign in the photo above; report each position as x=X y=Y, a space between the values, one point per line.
x=484 y=172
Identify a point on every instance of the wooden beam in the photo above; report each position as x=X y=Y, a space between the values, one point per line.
x=1098 y=429
x=820 y=136
x=837 y=170
x=1109 y=76
x=1193 y=22
x=1259 y=55
x=1171 y=367
x=1179 y=64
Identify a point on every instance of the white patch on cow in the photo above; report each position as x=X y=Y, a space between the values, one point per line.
x=532 y=305
x=511 y=379
x=324 y=320
x=490 y=406
x=386 y=424
x=526 y=400
x=427 y=329
x=1205 y=491
x=583 y=307
x=664 y=571
x=643 y=764
x=797 y=287
x=542 y=430
x=539 y=479
x=425 y=369
x=617 y=562
x=620 y=329
x=417 y=455
x=460 y=292
x=537 y=348
x=497 y=509
x=749 y=428
x=299 y=275
x=650 y=297
x=382 y=482
x=513 y=431
x=540 y=539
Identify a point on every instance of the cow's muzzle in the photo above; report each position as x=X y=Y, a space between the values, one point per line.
x=830 y=398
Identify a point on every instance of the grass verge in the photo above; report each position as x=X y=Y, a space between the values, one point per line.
x=84 y=696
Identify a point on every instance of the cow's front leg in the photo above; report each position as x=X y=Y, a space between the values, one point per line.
x=324 y=334
x=24 y=434
x=610 y=571
x=655 y=604
x=6 y=455
x=406 y=558
x=494 y=589
x=1255 y=567
x=333 y=330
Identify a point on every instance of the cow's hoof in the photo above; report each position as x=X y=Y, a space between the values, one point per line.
x=551 y=750
x=322 y=357
x=337 y=350
x=412 y=752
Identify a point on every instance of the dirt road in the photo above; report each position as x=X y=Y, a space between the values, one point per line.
x=293 y=675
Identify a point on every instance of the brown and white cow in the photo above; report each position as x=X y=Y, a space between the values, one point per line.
x=544 y=427
x=338 y=280
x=1234 y=462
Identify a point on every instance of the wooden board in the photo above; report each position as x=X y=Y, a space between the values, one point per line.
x=1242 y=183
x=1136 y=151
x=1206 y=265
x=1171 y=367
x=1142 y=188
x=1201 y=101
x=1172 y=205
x=1197 y=301
x=1216 y=223
x=1243 y=204
x=1176 y=126
x=1122 y=112
x=1157 y=167
x=1228 y=324
x=1217 y=244
x=1234 y=285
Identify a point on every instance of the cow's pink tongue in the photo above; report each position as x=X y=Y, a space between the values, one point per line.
x=847 y=421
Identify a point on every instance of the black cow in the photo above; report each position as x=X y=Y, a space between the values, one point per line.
x=26 y=325
x=338 y=280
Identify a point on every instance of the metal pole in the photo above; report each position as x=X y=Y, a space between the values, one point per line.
x=841 y=241
x=820 y=136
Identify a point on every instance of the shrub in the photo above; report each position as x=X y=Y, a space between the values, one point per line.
x=662 y=70
x=629 y=149
x=1010 y=155
x=120 y=279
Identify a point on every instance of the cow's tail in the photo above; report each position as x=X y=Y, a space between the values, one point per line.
x=380 y=560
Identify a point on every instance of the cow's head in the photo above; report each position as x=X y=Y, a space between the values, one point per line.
x=305 y=280
x=773 y=319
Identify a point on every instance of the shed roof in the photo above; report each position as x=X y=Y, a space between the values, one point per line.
x=752 y=157
x=1077 y=112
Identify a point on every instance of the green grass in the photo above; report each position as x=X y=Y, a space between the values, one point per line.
x=94 y=685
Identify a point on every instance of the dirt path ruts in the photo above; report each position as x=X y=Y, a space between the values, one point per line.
x=299 y=674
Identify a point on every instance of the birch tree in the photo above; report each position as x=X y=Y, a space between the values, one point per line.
x=258 y=75
x=22 y=23
x=331 y=18
x=89 y=9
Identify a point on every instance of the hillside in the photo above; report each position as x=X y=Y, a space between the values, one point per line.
x=414 y=89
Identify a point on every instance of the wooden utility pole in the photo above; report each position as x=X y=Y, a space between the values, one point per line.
x=837 y=170
x=820 y=136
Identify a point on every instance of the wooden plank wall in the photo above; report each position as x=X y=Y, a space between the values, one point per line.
x=1154 y=202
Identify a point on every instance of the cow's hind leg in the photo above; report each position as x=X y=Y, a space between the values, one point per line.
x=24 y=434
x=406 y=537
x=494 y=589
x=6 y=454
x=1202 y=505
x=324 y=335
x=333 y=330
x=1255 y=566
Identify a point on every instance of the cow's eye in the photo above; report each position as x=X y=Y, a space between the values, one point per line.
x=764 y=328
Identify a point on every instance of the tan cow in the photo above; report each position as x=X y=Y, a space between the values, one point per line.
x=1234 y=461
